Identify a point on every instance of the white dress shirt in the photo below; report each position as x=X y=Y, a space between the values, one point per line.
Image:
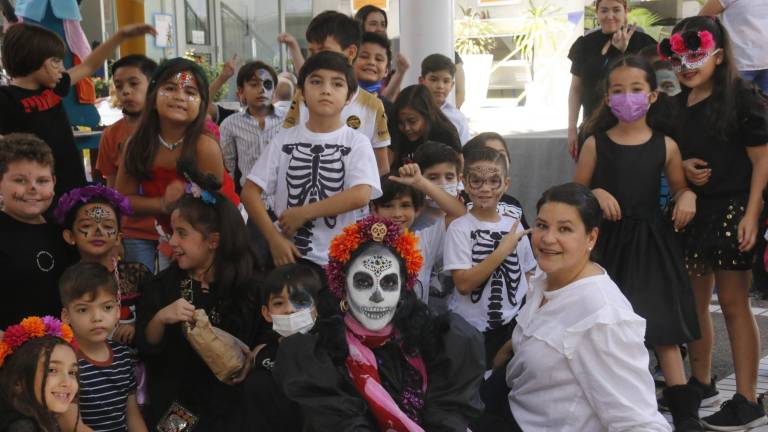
x=580 y=363
x=458 y=119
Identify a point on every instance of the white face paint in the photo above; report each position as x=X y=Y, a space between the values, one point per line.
x=373 y=288
x=266 y=82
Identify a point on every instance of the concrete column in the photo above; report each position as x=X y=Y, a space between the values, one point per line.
x=426 y=27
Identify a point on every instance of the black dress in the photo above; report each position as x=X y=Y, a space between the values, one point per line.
x=640 y=251
x=311 y=371
x=589 y=63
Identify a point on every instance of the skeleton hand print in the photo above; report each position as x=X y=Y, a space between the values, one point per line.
x=506 y=275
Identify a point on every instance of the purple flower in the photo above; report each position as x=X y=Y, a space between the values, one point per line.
x=86 y=194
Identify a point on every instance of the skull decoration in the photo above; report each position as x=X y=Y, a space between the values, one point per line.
x=373 y=285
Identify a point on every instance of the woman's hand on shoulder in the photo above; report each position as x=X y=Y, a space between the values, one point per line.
x=609 y=205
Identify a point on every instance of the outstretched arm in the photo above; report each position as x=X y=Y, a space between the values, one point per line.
x=94 y=61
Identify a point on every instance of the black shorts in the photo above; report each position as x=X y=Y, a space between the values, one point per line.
x=711 y=239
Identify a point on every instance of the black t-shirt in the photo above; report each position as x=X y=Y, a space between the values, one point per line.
x=41 y=112
x=32 y=258
x=222 y=114
x=697 y=138
x=589 y=63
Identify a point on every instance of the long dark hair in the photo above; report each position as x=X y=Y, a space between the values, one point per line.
x=366 y=10
x=141 y=152
x=603 y=119
x=17 y=381
x=439 y=128
x=727 y=82
x=234 y=262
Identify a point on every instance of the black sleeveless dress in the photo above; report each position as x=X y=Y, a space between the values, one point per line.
x=641 y=252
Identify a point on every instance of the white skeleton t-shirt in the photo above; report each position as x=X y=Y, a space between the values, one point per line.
x=431 y=240
x=301 y=167
x=468 y=242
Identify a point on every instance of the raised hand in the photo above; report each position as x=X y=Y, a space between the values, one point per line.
x=621 y=38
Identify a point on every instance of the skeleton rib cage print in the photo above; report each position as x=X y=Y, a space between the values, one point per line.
x=505 y=277
x=315 y=172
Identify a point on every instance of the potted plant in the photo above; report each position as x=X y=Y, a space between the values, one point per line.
x=475 y=44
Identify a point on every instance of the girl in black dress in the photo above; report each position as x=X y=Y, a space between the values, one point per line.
x=723 y=131
x=622 y=162
x=590 y=55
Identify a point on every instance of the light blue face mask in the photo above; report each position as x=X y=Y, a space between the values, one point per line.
x=668 y=83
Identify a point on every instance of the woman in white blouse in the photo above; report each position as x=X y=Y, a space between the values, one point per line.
x=580 y=363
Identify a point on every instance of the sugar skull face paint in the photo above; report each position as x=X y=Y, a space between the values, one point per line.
x=95 y=230
x=373 y=288
x=485 y=181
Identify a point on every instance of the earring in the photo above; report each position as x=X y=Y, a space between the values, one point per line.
x=343 y=305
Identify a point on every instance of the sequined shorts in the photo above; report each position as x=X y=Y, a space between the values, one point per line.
x=711 y=239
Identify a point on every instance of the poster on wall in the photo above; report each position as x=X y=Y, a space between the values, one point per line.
x=164 y=26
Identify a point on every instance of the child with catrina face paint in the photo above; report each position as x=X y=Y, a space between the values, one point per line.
x=487 y=253
x=90 y=217
x=387 y=363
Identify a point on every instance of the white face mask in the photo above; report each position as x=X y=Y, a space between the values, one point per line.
x=451 y=189
x=373 y=288
x=297 y=322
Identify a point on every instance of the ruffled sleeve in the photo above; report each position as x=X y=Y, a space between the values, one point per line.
x=307 y=376
x=609 y=360
x=454 y=378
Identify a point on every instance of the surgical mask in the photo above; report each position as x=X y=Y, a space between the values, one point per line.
x=628 y=107
x=451 y=189
x=297 y=322
x=283 y=105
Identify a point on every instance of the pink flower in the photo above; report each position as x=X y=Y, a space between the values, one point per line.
x=707 y=41
x=14 y=336
x=677 y=43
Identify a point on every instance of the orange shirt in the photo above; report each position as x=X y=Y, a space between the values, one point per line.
x=110 y=151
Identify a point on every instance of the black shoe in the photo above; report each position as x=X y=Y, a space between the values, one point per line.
x=684 y=406
x=709 y=395
x=736 y=414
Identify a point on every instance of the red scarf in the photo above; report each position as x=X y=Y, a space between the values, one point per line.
x=361 y=364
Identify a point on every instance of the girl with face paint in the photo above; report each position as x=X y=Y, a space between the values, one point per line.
x=386 y=350
x=214 y=270
x=622 y=165
x=91 y=218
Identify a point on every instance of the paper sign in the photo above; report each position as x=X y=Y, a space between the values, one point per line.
x=164 y=26
x=198 y=37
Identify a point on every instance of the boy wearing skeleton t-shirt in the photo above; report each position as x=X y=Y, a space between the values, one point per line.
x=488 y=254
x=318 y=172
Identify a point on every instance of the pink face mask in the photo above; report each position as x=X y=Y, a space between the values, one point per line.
x=628 y=107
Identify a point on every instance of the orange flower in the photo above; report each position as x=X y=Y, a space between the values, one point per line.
x=66 y=333
x=407 y=248
x=344 y=243
x=5 y=350
x=34 y=326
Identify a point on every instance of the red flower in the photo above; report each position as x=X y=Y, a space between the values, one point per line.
x=677 y=43
x=707 y=41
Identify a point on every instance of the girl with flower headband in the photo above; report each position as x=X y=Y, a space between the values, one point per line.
x=172 y=127
x=91 y=218
x=386 y=363
x=38 y=374
x=214 y=269
x=722 y=132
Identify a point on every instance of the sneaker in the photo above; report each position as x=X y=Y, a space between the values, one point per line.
x=736 y=414
x=709 y=395
x=658 y=376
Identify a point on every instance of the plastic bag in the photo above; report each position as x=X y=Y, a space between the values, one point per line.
x=222 y=352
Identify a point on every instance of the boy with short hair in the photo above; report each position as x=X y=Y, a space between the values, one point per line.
x=441 y=165
x=33 y=253
x=318 y=172
x=336 y=32
x=34 y=59
x=437 y=74
x=245 y=135
x=107 y=395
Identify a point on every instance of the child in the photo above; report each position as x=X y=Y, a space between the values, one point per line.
x=38 y=375
x=107 y=398
x=131 y=75
x=402 y=198
x=336 y=32
x=91 y=218
x=284 y=91
x=419 y=120
x=508 y=204
x=319 y=172
x=213 y=270
x=289 y=302
x=437 y=73
x=441 y=165
x=723 y=129
x=245 y=135
x=171 y=129
x=32 y=253
x=637 y=245
x=487 y=254
x=34 y=58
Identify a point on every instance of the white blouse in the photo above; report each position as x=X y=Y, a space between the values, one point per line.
x=580 y=363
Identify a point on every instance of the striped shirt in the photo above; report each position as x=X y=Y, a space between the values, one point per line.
x=243 y=140
x=104 y=389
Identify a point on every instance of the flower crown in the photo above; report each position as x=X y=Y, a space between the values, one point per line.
x=681 y=43
x=85 y=194
x=371 y=228
x=30 y=328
